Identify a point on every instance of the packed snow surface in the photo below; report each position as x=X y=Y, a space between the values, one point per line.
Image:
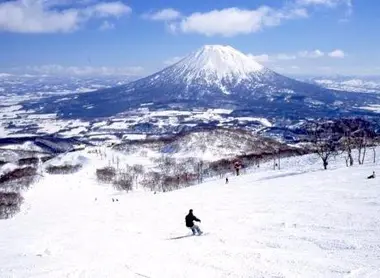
x=297 y=222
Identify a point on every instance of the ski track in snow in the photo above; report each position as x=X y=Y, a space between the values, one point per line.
x=297 y=222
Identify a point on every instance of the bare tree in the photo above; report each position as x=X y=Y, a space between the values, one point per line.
x=361 y=144
x=277 y=160
x=166 y=164
x=166 y=168
x=364 y=137
x=137 y=171
x=63 y=169
x=19 y=178
x=373 y=147
x=324 y=140
x=375 y=141
x=10 y=203
x=106 y=174
x=200 y=171
x=152 y=180
x=221 y=167
x=123 y=182
x=357 y=134
x=348 y=143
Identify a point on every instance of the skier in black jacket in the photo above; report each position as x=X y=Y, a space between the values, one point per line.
x=190 y=218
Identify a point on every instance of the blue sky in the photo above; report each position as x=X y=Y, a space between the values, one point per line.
x=137 y=37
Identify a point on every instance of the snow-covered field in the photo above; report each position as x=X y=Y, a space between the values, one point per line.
x=296 y=222
x=14 y=120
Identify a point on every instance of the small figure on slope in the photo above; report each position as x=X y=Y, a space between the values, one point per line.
x=227 y=180
x=190 y=218
x=238 y=165
x=372 y=176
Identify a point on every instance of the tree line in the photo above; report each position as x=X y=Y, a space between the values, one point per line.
x=343 y=136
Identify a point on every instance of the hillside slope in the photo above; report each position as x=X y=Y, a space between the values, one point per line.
x=207 y=144
x=297 y=222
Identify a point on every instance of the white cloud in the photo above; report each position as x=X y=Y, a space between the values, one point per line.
x=66 y=3
x=37 y=16
x=266 y=58
x=172 y=60
x=79 y=71
x=283 y=56
x=233 y=21
x=306 y=54
x=107 y=9
x=337 y=54
x=163 y=15
x=311 y=54
x=263 y=58
x=329 y=4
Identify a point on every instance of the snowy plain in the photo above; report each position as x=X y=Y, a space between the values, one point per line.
x=17 y=122
x=300 y=221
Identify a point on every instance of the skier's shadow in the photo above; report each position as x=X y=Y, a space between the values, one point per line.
x=185 y=236
x=179 y=237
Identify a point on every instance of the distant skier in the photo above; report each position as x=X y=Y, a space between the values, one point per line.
x=237 y=166
x=372 y=176
x=227 y=181
x=190 y=218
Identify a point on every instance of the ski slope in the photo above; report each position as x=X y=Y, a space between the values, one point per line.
x=297 y=222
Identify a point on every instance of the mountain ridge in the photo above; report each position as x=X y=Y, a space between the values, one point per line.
x=212 y=76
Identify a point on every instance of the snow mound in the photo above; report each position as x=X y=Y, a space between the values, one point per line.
x=68 y=159
x=7 y=168
x=26 y=146
x=209 y=145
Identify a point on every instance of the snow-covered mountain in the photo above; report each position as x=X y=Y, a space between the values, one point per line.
x=213 y=76
x=360 y=84
x=217 y=71
x=214 y=65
